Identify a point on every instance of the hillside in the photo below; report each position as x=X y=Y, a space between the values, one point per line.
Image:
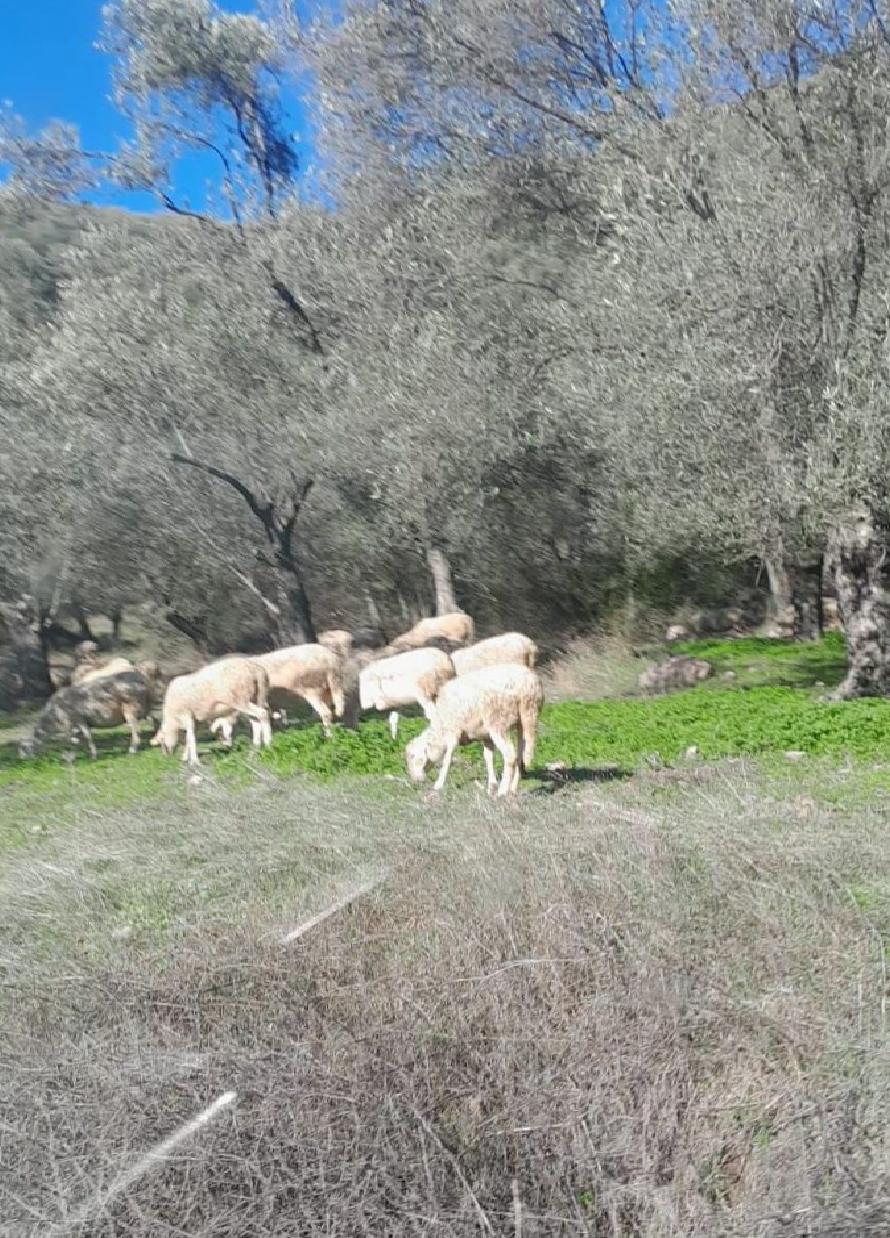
x=36 y=244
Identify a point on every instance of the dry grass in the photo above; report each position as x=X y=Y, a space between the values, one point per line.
x=650 y=1008
x=593 y=667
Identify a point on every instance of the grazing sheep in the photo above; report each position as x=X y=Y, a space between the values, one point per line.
x=308 y=672
x=511 y=648
x=107 y=701
x=224 y=689
x=337 y=639
x=86 y=672
x=677 y=672
x=406 y=678
x=457 y=627
x=485 y=704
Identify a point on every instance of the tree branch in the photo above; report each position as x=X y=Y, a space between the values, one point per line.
x=290 y=302
x=262 y=511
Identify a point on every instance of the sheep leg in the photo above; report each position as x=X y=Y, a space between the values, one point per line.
x=131 y=717
x=190 y=750
x=491 y=773
x=85 y=732
x=394 y=723
x=517 y=772
x=528 y=735
x=446 y=765
x=260 y=724
x=317 y=702
x=338 y=697
x=507 y=749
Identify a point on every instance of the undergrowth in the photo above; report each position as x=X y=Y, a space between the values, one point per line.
x=651 y=1006
x=605 y=1013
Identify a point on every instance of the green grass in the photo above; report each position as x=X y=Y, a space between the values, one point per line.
x=760 y=661
x=758 y=714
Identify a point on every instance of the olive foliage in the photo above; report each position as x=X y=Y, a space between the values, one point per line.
x=587 y=300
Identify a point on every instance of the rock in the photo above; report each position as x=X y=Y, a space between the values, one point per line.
x=729 y=676
x=691 y=752
x=794 y=755
x=676 y=632
x=676 y=672
x=122 y=933
x=195 y=780
x=556 y=767
x=820 y=683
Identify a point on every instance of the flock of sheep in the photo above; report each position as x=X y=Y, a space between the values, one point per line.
x=468 y=691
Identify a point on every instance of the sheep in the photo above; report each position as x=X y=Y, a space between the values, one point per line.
x=86 y=671
x=225 y=688
x=406 y=678
x=337 y=639
x=308 y=671
x=457 y=627
x=108 y=701
x=511 y=648
x=485 y=704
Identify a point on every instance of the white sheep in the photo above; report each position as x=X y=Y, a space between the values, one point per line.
x=404 y=679
x=458 y=628
x=510 y=648
x=337 y=639
x=226 y=688
x=487 y=705
x=109 y=700
x=308 y=672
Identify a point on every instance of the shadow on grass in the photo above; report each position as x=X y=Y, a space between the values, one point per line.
x=553 y=780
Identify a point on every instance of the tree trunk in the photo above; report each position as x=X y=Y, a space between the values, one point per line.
x=440 y=570
x=806 y=594
x=83 y=623
x=27 y=636
x=278 y=518
x=294 y=622
x=780 y=608
x=860 y=569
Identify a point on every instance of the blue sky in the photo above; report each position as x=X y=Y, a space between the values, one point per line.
x=50 y=70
